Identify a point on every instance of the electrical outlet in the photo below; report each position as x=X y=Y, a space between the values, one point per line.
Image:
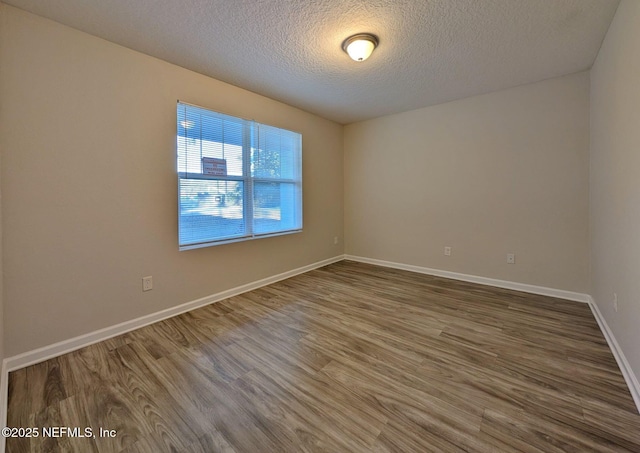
x=615 y=302
x=147 y=283
x=335 y=240
x=447 y=251
x=511 y=258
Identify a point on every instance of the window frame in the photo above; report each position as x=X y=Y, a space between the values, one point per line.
x=250 y=129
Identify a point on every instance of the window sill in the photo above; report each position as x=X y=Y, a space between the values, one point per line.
x=200 y=245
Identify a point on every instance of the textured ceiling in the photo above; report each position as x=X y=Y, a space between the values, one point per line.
x=431 y=51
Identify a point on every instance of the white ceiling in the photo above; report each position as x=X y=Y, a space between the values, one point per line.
x=431 y=51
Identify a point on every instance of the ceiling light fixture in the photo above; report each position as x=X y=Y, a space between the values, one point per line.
x=360 y=46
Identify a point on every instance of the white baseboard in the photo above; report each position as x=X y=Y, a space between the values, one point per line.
x=4 y=396
x=542 y=290
x=47 y=352
x=628 y=374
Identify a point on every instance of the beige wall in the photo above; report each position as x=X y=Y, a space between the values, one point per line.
x=1 y=258
x=505 y=172
x=615 y=179
x=87 y=132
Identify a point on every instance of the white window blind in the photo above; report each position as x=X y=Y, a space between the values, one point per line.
x=237 y=179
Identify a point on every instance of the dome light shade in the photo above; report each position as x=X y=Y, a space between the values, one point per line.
x=359 y=47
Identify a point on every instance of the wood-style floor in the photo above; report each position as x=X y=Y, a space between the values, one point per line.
x=346 y=358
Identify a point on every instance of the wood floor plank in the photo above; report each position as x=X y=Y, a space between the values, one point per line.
x=318 y=425
x=401 y=402
x=517 y=427
x=73 y=413
x=210 y=442
x=346 y=358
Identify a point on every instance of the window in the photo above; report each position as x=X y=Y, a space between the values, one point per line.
x=237 y=179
